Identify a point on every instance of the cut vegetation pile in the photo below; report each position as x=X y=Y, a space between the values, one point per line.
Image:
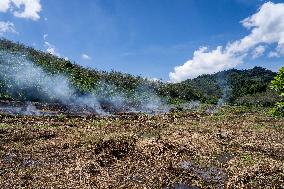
x=235 y=147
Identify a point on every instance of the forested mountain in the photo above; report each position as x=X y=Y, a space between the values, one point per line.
x=237 y=86
x=233 y=86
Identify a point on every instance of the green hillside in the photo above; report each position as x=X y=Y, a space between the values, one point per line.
x=237 y=86
x=248 y=87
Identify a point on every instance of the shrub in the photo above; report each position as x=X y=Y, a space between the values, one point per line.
x=278 y=110
x=278 y=85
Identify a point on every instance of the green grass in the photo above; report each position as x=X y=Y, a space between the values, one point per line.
x=5 y=126
x=247 y=158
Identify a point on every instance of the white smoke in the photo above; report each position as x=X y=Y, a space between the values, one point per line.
x=22 y=75
x=23 y=79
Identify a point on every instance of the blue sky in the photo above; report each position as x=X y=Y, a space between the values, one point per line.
x=142 y=37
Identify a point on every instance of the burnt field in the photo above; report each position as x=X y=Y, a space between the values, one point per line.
x=234 y=147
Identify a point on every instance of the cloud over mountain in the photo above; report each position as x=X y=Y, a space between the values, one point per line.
x=266 y=27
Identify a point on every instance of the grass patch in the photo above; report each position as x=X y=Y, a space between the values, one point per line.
x=247 y=158
x=5 y=126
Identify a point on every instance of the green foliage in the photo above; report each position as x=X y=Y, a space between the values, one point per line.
x=234 y=86
x=264 y=99
x=176 y=101
x=278 y=110
x=278 y=86
x=180 y=91
x=207 y=88
x=242 y=87
x=247 y=158
x=278 y=82
x=84 y=80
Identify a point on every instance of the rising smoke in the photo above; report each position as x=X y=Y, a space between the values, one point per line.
x=225 y=87
x=24 y=80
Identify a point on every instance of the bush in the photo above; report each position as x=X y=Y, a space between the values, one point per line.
x=278 y=110
x=264 y=99
x=278 y=85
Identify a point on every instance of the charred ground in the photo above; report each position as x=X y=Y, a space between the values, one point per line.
x=235 y=147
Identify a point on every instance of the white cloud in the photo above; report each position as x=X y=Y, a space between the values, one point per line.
x=205 y=62
x=273 y=54
x=45 y=36
x=4 y=5
x=7 y=27
x=28 y=9
x=51 y=49
x=85 y=57
x=266 y=27
x=258 y=51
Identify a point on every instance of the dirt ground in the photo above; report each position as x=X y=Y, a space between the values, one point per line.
x=234 y=148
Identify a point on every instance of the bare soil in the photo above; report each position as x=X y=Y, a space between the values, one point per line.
x=230 y=149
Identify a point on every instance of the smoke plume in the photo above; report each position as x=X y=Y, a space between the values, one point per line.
x=24 y=80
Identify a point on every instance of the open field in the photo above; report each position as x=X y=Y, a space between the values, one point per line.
x=233 y=148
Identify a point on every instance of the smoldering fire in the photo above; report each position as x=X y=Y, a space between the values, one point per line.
x=23 y=79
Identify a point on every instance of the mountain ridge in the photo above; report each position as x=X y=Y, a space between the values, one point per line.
x=250 y=87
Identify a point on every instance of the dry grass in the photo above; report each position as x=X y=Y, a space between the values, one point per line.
x=231 y=149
